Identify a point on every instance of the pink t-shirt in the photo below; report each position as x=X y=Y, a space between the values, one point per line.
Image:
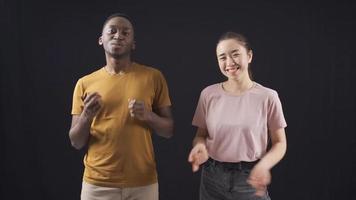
x=238 y=124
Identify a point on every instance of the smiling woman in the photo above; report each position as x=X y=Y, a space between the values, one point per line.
x=305 y=50
x=234 y=56
x=235 y=118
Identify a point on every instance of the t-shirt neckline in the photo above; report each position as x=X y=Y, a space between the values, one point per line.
x=223 y=91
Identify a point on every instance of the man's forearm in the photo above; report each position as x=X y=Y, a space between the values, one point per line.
x=163 y=126
x=80 y=132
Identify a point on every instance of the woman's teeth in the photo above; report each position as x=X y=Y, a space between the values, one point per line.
x=232 y=69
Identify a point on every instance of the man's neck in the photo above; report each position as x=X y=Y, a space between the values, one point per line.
x=115 y=66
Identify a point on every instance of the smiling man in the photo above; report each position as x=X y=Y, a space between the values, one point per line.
x=114 y=111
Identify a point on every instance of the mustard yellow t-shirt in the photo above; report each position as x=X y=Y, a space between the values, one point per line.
x=120 y=151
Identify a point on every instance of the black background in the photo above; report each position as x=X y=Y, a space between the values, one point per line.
x=305 y=51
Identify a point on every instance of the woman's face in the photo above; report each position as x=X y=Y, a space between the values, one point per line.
x=233 y=59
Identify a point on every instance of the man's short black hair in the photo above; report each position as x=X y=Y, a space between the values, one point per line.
x=117 y=15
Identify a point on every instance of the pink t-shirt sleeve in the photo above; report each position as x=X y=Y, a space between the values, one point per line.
x=199 y=118
x=275 y=116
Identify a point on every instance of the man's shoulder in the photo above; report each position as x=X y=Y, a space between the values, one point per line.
x=92 y=75
x=147 y=69
x=89 y=78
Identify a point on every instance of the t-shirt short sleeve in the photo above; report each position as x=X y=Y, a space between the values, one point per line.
x=199 y=118
x=161 y=98
x=78 y=104
x=275 y=118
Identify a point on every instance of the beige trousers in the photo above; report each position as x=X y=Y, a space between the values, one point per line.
x=93 y=192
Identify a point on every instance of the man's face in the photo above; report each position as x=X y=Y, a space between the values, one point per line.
x=117 y=37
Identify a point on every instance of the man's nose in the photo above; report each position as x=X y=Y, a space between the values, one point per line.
x=118 y=35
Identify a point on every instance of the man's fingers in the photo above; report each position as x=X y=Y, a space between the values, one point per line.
x=88 y=96
x=136 y=107
x=131 y=102
x=89 y=101
x=132 y=114
x=96 y=107
x=130 y=107
x=93 y=101
x=135 y=103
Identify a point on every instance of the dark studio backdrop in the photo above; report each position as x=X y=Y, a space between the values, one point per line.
x=305 y=51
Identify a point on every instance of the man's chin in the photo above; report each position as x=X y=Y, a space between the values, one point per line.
x=120 y=55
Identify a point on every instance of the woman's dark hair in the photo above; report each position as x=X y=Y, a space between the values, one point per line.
x=241 y=39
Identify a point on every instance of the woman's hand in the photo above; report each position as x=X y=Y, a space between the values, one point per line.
x=259 y=178
x=198 y=155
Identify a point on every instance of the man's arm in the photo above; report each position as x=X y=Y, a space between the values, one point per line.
x=80 y=128
x=79 y=131
x=160 y=120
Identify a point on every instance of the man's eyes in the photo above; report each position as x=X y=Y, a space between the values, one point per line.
x=113 y=31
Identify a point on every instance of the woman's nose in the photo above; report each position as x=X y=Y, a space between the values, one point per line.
x=230 y=62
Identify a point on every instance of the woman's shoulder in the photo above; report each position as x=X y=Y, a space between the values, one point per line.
x=211 y=88
x=266 y=91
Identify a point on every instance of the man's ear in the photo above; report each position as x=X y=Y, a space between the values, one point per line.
x=133 y=47
x=100 y=41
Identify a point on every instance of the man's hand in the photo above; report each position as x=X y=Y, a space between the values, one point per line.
x=92 y=105
x=138 y=110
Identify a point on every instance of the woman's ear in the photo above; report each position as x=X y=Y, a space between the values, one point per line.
x=250 y=55
x=100 y=41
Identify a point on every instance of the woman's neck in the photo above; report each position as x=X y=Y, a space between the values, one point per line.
x=237 y=86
